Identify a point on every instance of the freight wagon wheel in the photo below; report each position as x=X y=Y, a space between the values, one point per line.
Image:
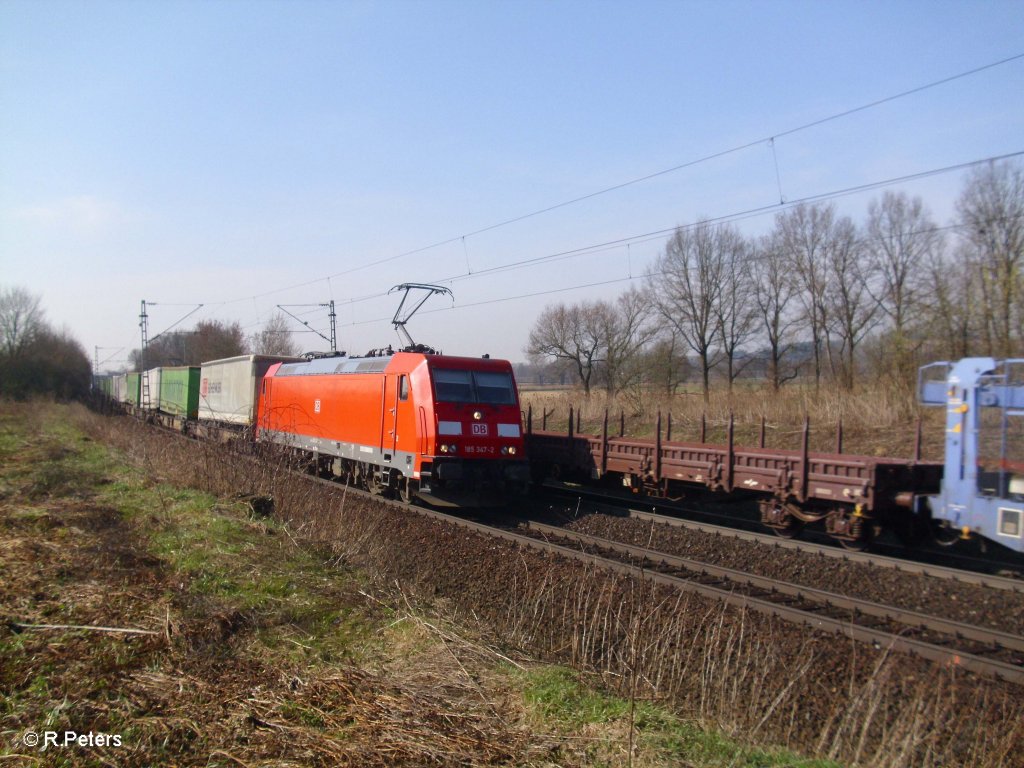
x=855 y=545
x=781 y=519
x=790 y=529
x=945 y=535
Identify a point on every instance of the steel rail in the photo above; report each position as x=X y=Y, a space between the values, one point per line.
x=878 y=638
x=931 y=570
x=882 y=561
x=856 y=606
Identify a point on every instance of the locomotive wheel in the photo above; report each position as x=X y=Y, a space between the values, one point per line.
x=405 y=490
x=374 y=485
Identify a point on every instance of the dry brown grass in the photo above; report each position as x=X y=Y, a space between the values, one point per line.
x=729 y=669
x=227 y=679
x=876 y=420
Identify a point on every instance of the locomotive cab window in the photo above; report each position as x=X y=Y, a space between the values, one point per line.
x=403 y=387
x=491 y=388
x=453 y=386
x=494 y=388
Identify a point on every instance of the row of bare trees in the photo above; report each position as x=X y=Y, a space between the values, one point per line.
x=215 y=340
x=36 y=359
x=819 y=296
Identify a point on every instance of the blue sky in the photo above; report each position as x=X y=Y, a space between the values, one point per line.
x=222 y=152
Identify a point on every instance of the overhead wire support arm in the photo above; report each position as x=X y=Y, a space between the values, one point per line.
x=298 y=319
x=177 y=322
x=399 y=320
x=334 y=325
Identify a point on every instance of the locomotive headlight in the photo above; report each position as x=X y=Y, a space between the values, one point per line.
x=477 y=415
x=504 y=450
x=512 y=450
x=452 y=448
x=444 y=448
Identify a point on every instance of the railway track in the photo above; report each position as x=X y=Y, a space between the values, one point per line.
x=991 y=581
x=971 y=571
x=979 y=650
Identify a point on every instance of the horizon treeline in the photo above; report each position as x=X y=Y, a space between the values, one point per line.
x=820 y=297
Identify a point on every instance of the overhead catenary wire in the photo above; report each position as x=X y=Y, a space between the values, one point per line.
x=177 y=322
x=646 y=237
x=656 y=234
x=772 y=137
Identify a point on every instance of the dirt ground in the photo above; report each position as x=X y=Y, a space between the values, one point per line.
x=339 y=632
x=143 y=623
x=213 y=677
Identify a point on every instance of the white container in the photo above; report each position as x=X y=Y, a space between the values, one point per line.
x=229 y=388
x=151 y=378
x=120 y=388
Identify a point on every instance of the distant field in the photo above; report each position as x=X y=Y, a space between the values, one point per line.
x=875 y=420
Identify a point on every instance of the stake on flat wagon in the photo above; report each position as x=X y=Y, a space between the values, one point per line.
x=730 y=457
x=604 y=444
x=805 y=459
x=657 y=453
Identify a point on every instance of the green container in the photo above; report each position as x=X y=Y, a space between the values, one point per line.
x=179 y=391
x=134 y=388
x=104 y=385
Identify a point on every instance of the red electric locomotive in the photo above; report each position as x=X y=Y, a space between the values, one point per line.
x=447 y=429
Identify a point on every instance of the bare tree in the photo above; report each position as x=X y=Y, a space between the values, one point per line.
x=991 y=212
x=34 y=359
x=210 y=340
x=773 y=289
x=735 y=310
x=574 y=334
x=627 y=332
x=274 y=338
x=665 y=360
x=901 y=239
x=852 y=309
x=951 y=294
x=21 y=320
x=686 y=285
x=805 y=233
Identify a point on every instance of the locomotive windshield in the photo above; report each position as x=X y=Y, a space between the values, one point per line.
x=489 y=387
